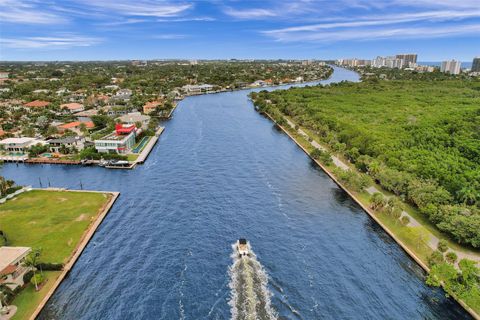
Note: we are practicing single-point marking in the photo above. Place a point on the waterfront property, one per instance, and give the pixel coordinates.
(150, 107)
(120, 141)
(19, 145)
(197, 89)
(72, 142)
(133, 118)
(12, 267)
(57, 221)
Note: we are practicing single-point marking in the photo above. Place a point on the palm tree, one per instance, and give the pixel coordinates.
(31, 263)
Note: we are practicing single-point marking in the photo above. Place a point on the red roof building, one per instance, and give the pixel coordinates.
(75, 125)
(122, 129)
(149, 107)
(37, 104)
(73, 107)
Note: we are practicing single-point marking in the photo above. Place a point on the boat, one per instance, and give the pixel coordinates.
(242, 248)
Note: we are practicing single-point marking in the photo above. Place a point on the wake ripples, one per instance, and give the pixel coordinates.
(250, 297)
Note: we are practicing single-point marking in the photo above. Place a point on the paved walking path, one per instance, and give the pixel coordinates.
(432, 239)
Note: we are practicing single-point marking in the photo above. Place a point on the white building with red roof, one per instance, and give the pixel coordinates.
(11, 265)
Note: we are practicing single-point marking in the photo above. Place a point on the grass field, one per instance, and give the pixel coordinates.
(53, 221)
(28, 299)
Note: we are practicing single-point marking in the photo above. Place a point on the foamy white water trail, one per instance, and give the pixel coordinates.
(250, 297)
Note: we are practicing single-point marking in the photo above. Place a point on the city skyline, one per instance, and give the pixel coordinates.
(301, 29)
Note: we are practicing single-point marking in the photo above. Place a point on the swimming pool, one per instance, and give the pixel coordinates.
(140, 145)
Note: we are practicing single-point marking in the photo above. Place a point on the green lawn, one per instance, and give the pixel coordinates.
(132, 157)
(51, 220)
(28, 299)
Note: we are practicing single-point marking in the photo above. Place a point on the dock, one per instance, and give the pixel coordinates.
(148, 148)
(51, 161)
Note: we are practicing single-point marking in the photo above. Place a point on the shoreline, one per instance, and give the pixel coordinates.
(84, 240)
(424, 266)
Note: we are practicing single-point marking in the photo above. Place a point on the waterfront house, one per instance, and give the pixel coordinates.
(121, 141)
(73, 107)
(197, 89)
(55, 145)
(19, 145)
(12, 267)
(134, 118)
(150, 107)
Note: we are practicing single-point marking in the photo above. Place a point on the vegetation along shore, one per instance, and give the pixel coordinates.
(408, 150)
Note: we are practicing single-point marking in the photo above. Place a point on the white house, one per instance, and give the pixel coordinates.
(55, 145)
(19, 144)
(11, 265)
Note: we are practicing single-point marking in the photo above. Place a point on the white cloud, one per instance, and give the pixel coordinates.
(396, 33)
(250, 13)
(170, 36)
(383, 20)
(437, 23)
(52, 42)
(26, 12)
(145, 8)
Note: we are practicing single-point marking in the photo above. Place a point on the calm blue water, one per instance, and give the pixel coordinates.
(219, 172)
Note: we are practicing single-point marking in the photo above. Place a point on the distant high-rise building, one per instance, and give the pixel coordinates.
(476, 64)
(410, 59)
(452, 66)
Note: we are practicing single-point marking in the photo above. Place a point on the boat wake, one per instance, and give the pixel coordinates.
(250, 297)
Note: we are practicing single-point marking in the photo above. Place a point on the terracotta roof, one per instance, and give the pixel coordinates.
(88, 124)
(37, 104)
(72, 106)
(8, 270)
(152, 105)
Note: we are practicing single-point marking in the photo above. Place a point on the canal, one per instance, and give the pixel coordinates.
(220, 172)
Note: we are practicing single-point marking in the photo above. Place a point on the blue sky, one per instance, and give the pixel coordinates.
(210, 29)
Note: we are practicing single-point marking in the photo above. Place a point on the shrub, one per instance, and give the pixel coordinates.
(377, 201)
(47, 266)
(435, 258)
(37, 279)
(442, 246)
(322, 156)
(451, 257)
(405, 220)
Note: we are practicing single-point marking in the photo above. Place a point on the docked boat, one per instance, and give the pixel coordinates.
(242, 248)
